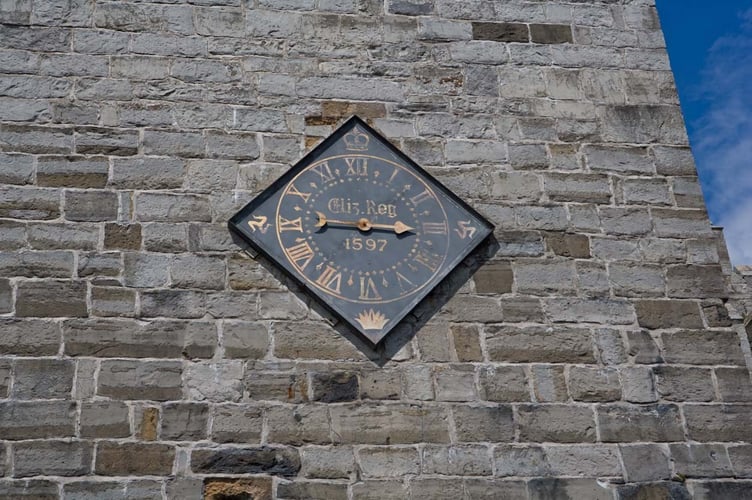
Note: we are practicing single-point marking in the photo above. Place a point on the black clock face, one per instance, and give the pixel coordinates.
(362, 228)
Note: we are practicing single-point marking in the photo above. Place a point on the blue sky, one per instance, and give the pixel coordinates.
(710, 47)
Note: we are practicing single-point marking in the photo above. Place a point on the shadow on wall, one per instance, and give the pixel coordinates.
(382, 353)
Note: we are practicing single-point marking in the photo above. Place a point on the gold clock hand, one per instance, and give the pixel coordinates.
(363, 224)
(323, 221)
(398, 227)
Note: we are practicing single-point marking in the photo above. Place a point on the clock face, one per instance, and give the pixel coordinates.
(362, 227)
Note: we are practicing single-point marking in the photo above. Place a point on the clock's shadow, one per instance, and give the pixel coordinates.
(405, 330)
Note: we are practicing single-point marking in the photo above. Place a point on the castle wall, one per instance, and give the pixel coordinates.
(585, 352)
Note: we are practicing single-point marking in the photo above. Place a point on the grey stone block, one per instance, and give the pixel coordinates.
(222, 381)
(29, 337)
(393, 424)
(700, 460)
(37, 419)
(47, 299)
(133, 459)
(184, 421)
(54, 264)
(105, 419)
(594, 384)
(716, 422)
(19, 203)
(733, 384)
(58, 458)
(147, 173)
(16, 169)
(544, 276)
(172, 208)
(336, 462)
(277, 461)
(43, 379)
(675, 383)
(483, 423)
(471, 460)
(504, 384)
(638, 384)
(600, 311)
(95, 206)
(125, 338)
(455, 383)
(184, 304)
(645, 462)
(312, 489)
(389, 461)
(668, 314)
(198, 271)
(538, 344)
(237, 424)
(237, 146)
(629, 423)
(702, 347)
(51, 236)
(129, 379)
(695, 282)
(584, 460)
(589, 188)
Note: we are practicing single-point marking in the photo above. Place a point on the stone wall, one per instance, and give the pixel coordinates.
(144, 355)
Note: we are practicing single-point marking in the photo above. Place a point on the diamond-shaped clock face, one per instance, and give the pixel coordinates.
(362, 228)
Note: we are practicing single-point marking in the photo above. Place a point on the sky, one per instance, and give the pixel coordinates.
(710, 48)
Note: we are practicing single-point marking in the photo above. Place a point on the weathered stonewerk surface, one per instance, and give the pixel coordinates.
(596, 353)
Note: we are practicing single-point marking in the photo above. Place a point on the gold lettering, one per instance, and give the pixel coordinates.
(368, 289)
(343, 206)
(394, 174)
(435, 227)
(294, 191)
(428, 259)
(290, 225)
(357, 166)
(259, 223)
(419, 198)
(373, 208)
(465, 229)
(330, 279)
(301, 254)
(324, 171)
(401, 279)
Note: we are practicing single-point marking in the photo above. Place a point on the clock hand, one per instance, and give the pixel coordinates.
(398, 227)
(323, 221)
(363, 224)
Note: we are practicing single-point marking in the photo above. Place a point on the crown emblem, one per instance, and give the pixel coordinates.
(371, 320)
(356, 140)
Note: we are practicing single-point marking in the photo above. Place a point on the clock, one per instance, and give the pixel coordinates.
(362, 228)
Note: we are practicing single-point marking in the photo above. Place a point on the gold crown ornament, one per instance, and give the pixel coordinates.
(356, 140)
(371, 320)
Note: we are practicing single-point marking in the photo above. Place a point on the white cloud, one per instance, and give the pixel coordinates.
(737, 222)
(723, 138)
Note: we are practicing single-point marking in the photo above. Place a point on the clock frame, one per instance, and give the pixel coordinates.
(362, 228)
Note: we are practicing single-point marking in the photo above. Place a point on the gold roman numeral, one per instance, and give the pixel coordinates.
(368, 289)
(324, 171)
(357, 166)
(330, 279)
(301, 254)
(290, 225)
(435, 227)
(428, 259)
(402, 280)
(419, 198)
(294, 191)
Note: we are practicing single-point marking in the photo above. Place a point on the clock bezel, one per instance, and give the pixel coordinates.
(237, 226)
